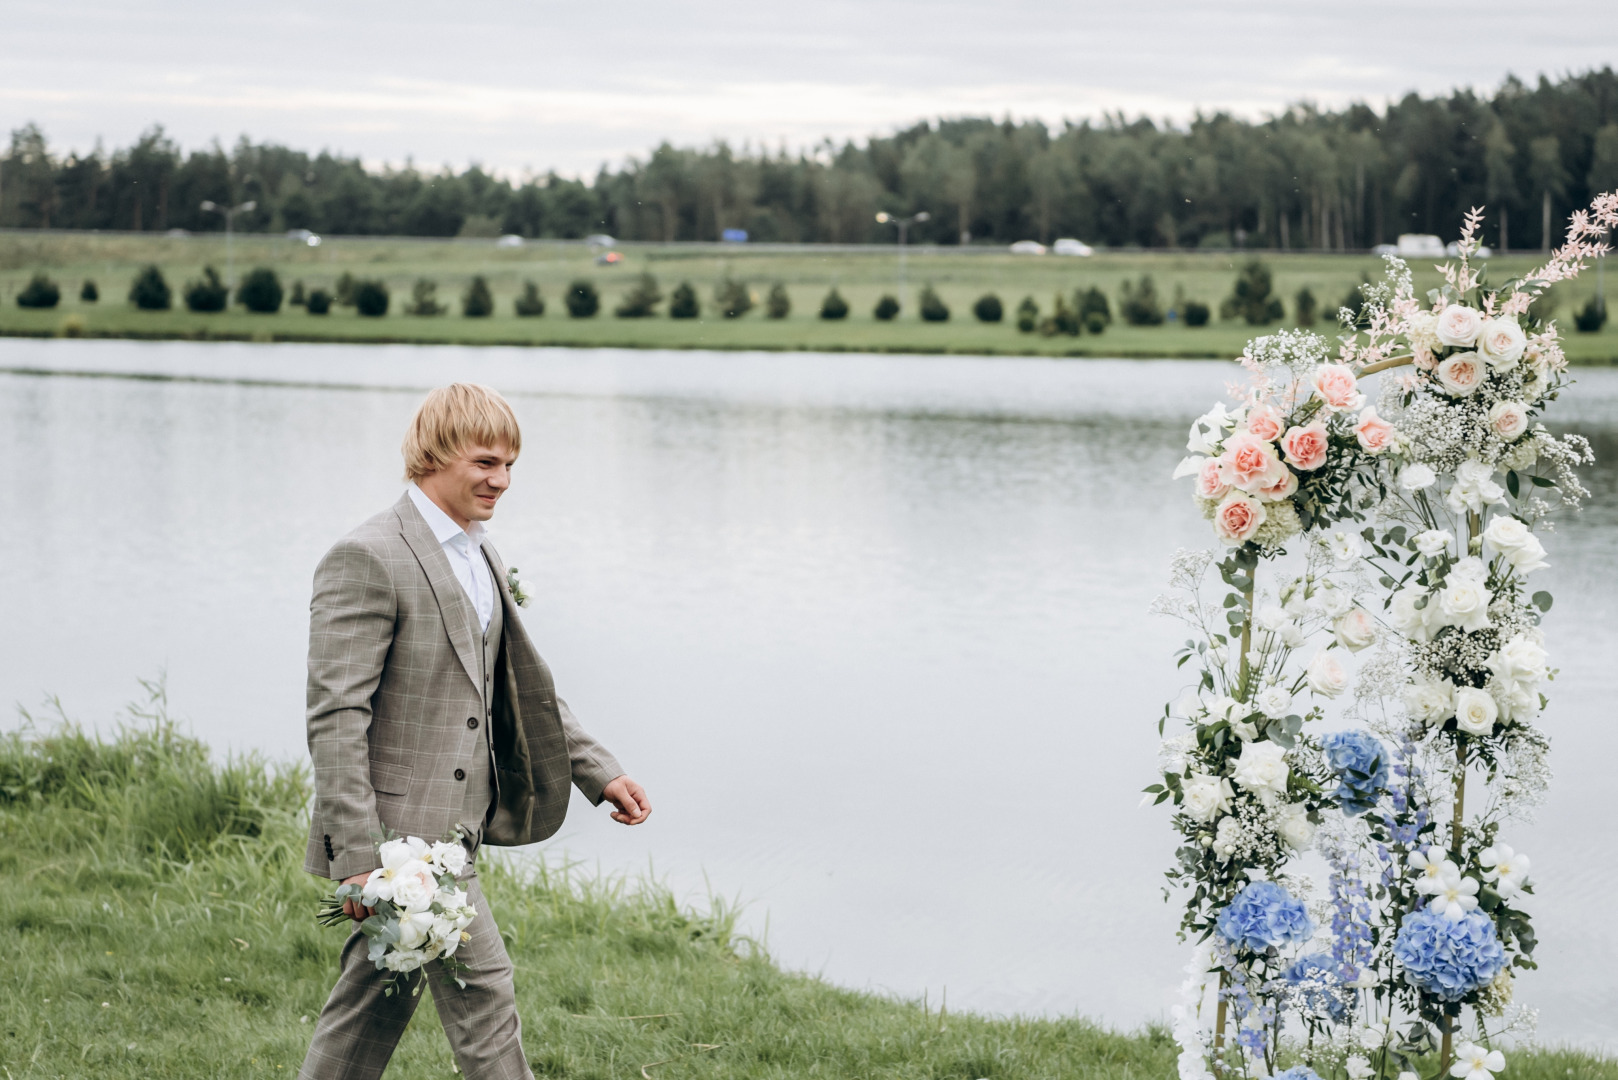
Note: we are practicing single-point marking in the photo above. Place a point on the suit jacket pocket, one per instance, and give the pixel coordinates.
(389, 778)
(514, 799)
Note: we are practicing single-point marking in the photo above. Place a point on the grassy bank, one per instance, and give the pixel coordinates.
(860, 276)
(155, 923)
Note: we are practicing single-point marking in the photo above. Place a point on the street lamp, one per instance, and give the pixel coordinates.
(903, 224)
(230, 213)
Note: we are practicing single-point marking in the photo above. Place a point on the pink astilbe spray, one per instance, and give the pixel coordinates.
(1585, 241)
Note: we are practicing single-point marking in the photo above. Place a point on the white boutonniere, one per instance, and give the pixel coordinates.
(518, 587)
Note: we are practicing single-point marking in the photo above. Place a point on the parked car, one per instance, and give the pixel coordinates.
(1070, 246)
(304, 236)
(600, 240)
(1385, 249)
(1420, 245)
(510, 240)
(1028, 247)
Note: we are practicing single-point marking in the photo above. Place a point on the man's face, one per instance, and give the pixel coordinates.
(467, 488)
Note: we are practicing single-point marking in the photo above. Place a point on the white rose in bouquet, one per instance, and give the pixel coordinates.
(1343, 545)
(449, 856)
(1508, 419)
(1461, 374)
(1355, 629)
(1502, 341)
(1334, 600)
(1262, 769)
(1464, 603)
(1475, 711)
(1295, 827)
(1206, 797)
(1508, 537)
(1430, 701)
(413, 887)
(1274, 701)
(1433, 541)
(1325, 675)
(1522, 659)
(1516, 700)
(1470, 569)
(1416, 476)
(1474, 488)
(1458, 325)
(1413, 622)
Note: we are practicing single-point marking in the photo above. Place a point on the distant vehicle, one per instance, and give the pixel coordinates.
(733, 236)
(1070, 246)
(1453, 250)
(178, 233)
(600, 240)
(304, 236)
(510, 240)
(1028, 247)
(1420, 245)
(1385, 249)
(609, 258)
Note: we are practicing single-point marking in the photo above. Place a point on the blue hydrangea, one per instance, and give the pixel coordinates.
(1264, 916)
(1315, 981)
(1298, 1072)
(1361, 765)
(1448, 958)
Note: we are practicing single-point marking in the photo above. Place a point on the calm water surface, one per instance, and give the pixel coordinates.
(873, 631)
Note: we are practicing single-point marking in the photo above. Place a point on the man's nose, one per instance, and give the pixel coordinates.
(500, 480)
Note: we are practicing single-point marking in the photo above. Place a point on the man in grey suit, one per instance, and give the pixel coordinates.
(430, 712)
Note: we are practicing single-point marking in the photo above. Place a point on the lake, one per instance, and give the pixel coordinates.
(873, 631)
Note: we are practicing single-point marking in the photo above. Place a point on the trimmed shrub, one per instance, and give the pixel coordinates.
(318, 302)
(886, 308)
(1591, 317)
(1251, 297)
(582, 300)
(478, 302)
(1062, 320)
(370, 297)
(777, 305)
(1092, 302)
(424, 299)
(1195, 313)
(834, 306)
(260, 291)
(932, 306)
(345, 289)
(209, 294)
(529, 303)
(1139, 305)
(149, 291)
(296, 297)
(88, 291)
(1028, 315)
(1543, 307)
(40, 292)
(683, 302)
(1094, 322)
(988, 308)
(733, 298)
(641, 301)
(1306, 307)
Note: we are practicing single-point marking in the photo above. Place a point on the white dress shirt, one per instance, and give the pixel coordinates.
(464, 547)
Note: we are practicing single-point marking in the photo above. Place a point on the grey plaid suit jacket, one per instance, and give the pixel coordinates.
(393, 680)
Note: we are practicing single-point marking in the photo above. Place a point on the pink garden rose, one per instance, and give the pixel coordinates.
(1306, 446)
(1210, 485)
(1282, 486)
(1461, 374)
(1509, 419)
(1459, 325)
(1265, 422)
(1337, 387)
(1374, 433)
(1247, 461)
(1238, 518)
(1502, 341)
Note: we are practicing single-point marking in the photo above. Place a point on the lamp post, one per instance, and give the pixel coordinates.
(903, 224)
(230, 213)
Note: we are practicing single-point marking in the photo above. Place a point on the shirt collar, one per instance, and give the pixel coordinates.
(442, 525)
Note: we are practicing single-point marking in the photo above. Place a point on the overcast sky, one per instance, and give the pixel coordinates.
(537, 85)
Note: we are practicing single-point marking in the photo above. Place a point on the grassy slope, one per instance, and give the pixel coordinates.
(155, 923)
(861, 276)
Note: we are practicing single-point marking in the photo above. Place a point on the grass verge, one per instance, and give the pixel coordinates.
(158, 925)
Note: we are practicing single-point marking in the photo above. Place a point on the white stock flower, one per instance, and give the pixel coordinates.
(1430, 701)
(1505, 868)
(1206, 797)
(1473, 1062)
(1475, 711)
(1295, 828)
(1334, 600)
(1325, 675)
(1502, 341)
(1271, 617)
(1413, 622)
(1456, 895)
(1458, 325)
(1416, 476)
(1433, 541)
(1344, 546)
(1274, 701)
(1262, 769)
(1464, 603)
(1355, 629)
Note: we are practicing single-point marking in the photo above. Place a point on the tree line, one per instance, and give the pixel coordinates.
(1309, 179)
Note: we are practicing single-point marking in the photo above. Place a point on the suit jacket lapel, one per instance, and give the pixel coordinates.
(453, 604)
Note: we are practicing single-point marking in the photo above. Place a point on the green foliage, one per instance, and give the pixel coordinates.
(683, 303)
(529, 304)
(1543, 308)
(1063, 319)
(40, 292)
(296, 298)
(1355, 303)
(260, 291)
(1305, 308)
(1592, 316)
(834, 306)
(371, 298)
(208, 294)
(318, 302)
(1028, 315)
(732, 297)
(345, 289)
(777, 305)
(149, 291)
(477, 302)
(582, 300)
(1195, 313)
(88, 291)
(932, 308)
(1138, 304)
(886, 308)
(641, 300)
(424, 299)
(988, 309)
(1252, 298)
(1091, 304)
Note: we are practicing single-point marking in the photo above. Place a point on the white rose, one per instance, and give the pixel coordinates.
(413, 886)
(1505, 534)
(1515, 699)
(1431, 702)
(1460, 375)
(1475, 711)
(1433, 541)
(1344, 546)
(1471, 569)
(1464, 604)
(1413, 622)
(1358, 1068)
(1458, 325)
(1262, 768)
(414, 929)
(1354, 629)
(1508, 419)
(1334, 600)
(1274, 701)
(1521, 660)
(1272, 617)
(1206, 797)
(1295, 827)
(1529, 557)
(450, 858)
(1416, 476)
(1502, 341)
(1325, 675)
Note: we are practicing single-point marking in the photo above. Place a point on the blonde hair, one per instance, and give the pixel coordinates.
(452, 418)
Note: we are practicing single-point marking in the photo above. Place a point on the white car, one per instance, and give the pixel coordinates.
(1419, 246)
(600, 240)
(510, 240)
(1028, 247)
(1385, 249)
(1070, 246)
(304, 236)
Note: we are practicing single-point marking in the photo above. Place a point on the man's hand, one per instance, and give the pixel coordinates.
(352, 908)
(630, 799)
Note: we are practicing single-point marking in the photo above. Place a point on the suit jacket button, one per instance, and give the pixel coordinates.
(460, 774)
(471, 721)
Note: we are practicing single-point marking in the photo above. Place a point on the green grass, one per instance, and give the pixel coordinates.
(861, 276)
(155, 923)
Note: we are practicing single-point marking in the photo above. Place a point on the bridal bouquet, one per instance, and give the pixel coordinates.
(421, 913)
